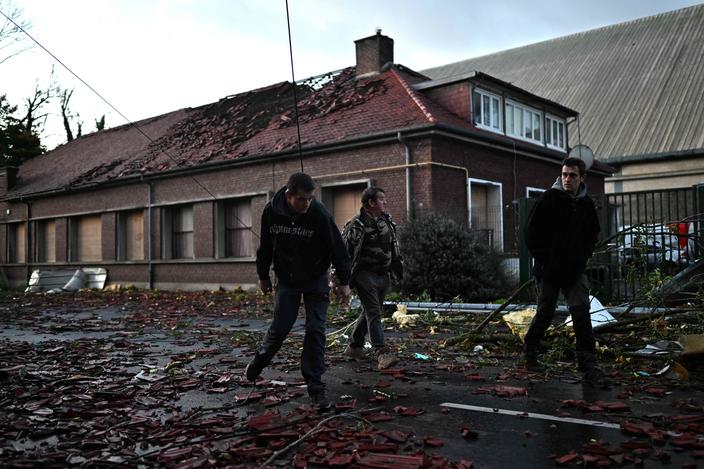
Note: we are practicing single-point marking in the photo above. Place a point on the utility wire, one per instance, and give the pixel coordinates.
(293, 81)
(132, 124)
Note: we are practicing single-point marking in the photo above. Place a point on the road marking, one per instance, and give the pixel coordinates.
(492, 410)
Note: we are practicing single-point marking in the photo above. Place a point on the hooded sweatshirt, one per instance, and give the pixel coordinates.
(562, 231)
(302, 246)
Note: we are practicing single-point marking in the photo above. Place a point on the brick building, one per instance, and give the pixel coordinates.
(174, 201)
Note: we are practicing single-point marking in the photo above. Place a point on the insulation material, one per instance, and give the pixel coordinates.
(519, 321)
(599, 314)
(63, 280)
(402, 317)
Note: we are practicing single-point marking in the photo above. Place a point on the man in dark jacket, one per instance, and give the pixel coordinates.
(563, 229)
(301, 238)
(370, 238)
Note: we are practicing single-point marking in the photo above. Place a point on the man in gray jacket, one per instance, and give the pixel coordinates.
(370, 238)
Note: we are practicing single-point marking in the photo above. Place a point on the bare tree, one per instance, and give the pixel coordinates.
(68, 117)
(100, 123)
(12, 40)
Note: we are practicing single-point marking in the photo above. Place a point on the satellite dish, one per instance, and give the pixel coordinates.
(584, 153)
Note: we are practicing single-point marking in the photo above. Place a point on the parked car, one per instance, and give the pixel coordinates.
(664, 246)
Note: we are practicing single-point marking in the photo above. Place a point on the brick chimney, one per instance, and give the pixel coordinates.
(8, 179)
(373, 53)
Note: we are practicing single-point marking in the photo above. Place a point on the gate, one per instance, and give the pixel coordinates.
(645, 236)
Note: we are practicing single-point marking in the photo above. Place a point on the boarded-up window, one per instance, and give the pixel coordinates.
(182, 232)
(17, 242)
(343, 202)
(131, 241)
(238, 228)
(46, 241)
(88, 239)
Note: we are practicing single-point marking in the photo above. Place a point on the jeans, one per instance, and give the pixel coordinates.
(577, 296)
(286, 304)
(371, 288)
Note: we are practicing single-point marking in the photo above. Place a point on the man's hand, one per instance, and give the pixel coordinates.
(265, 285)
(342, 292)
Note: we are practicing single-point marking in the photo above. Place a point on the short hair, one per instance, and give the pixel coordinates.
(371, 193)
(571, 161)
(300, 182)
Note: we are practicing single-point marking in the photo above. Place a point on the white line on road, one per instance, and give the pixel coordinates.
(492, 410)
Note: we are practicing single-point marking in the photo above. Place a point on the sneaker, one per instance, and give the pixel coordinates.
(320, 402)
(355, 353)
(532, 363)
(534, 366)
(254, 369)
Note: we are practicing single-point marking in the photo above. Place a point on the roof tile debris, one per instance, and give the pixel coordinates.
(331, 108)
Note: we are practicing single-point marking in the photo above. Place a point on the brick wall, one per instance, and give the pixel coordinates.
(434, 189)
(454, 98)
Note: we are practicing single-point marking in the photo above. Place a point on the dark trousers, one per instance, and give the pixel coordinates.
(286, 304)
(371, 288)
(577, 296)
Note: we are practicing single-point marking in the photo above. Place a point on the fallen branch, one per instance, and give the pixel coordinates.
(614, 326)
(474, 337)
(486, 320)
(475, 333)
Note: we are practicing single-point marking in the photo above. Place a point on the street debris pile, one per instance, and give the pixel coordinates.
(154, 379)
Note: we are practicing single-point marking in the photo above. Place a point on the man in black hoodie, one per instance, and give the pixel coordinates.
(563, 229)
(301, 238)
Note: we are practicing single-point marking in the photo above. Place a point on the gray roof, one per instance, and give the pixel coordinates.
(638, 86)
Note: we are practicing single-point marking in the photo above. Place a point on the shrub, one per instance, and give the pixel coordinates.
(445, 260)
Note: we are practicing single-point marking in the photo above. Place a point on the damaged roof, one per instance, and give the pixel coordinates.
(332, 109)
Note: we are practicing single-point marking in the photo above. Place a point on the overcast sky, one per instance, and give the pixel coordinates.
(148, 57)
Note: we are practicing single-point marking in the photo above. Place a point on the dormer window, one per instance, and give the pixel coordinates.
(555, 132)
(486, 108)
(523, 122)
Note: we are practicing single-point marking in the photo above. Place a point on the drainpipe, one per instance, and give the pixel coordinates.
(150, 273)
(401, 140)
(27, 240)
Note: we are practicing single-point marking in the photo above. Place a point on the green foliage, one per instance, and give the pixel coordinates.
(444, 260)
(17, 144)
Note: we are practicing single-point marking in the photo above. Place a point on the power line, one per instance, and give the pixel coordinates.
(132, 124)
(293, 81)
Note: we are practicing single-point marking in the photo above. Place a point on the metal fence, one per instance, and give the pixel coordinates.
(646, 236)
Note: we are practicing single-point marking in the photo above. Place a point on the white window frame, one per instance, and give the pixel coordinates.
(548, 121)
(498, 187)
(533, 189)
(482, 93)
(525, 111)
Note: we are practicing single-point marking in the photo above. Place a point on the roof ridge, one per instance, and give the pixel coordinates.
(415, 96)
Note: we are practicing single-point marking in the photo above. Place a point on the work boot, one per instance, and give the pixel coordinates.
(320, 402)
(254, 368)
(595, 377)
(355, 353)
(532, 363)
